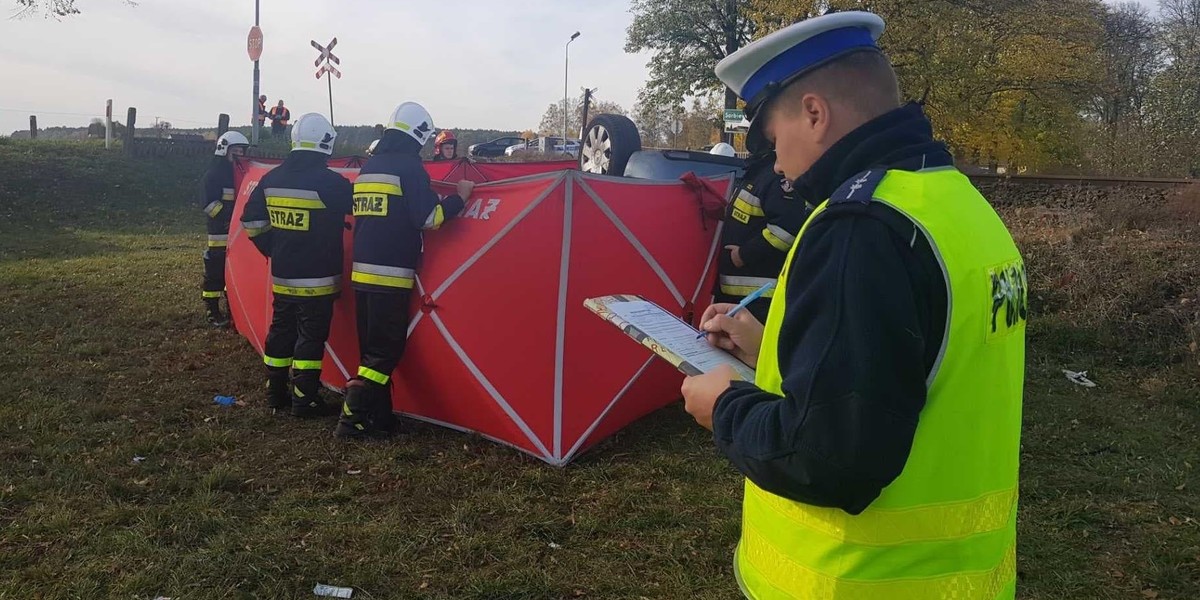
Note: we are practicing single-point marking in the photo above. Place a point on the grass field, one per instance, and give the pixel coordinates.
(106, 358)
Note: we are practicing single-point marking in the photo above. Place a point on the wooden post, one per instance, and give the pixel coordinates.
(32, 127)
(130, 122)
(222, 124)
(108, 125)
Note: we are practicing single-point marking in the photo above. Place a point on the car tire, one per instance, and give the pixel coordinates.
(607, 144)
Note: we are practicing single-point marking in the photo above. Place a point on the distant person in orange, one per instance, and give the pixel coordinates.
(262, 111)
(280, 116)
(445, 146)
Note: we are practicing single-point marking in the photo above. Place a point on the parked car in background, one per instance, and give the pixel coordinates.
(613, 146)
(493, 148)
(546, 145)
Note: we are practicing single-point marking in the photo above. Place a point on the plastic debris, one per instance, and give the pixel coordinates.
(137, 460)
(1079, 378)
(224, 400)
(331, 591)
(554, 546)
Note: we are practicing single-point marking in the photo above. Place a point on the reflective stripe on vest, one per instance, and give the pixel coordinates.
(946, 527)
(218, 241)
(227, 194)
(308, 288)
(733, 285)
(383, 275)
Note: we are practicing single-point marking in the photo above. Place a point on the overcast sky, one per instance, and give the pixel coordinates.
(474, 63)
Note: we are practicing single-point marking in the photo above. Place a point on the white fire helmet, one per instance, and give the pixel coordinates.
(312, 132)
(413, 119)
(231, 138)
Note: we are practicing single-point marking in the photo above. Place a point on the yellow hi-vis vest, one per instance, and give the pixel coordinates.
(946, 527)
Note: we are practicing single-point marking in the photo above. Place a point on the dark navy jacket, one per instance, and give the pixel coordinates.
(393, 205)
(862, 284)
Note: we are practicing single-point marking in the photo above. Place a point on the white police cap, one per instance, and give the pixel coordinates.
(758, 72)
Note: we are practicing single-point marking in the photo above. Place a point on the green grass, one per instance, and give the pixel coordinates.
(106, 358)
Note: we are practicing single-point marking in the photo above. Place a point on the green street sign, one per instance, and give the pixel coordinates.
(734, 115)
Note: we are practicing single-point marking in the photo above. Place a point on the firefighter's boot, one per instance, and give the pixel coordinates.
(279, 394)
(215, 317)
(359, 419)
(306, 397)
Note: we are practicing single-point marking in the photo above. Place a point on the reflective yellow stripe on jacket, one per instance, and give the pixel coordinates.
(734, 285)
(307, 288)
(383, 275)
(946, 527)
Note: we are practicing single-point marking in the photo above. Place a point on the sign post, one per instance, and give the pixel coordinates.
(254, 47)
(325, 66)
(735, 121)
(676, 129)
(108, 130)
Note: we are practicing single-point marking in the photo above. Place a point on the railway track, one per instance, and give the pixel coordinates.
(1085, 180)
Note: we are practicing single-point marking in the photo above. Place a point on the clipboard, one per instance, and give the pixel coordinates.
(665, 334)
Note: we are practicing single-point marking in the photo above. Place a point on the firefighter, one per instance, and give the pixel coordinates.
(760, 225)
(445, 147)
(280, 116)
(296, 217)
(217, 199)
(393, 205)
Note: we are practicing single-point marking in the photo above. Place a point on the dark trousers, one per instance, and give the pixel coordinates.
(382, 332)
(278, 128)
(299, 329)
(214, 272)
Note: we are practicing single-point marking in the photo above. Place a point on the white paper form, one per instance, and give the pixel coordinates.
(677, 336)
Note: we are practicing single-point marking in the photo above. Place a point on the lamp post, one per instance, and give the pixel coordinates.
(566, 74)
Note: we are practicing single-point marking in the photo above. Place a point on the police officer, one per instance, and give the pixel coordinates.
(217, 199)
(296, 217)
(393, 205)
(880, 437)
(760, 225)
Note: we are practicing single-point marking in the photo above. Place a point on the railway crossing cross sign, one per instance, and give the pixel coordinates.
(325, 67)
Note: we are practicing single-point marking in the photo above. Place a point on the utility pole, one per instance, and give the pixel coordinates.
(566, 76)
(587, 106)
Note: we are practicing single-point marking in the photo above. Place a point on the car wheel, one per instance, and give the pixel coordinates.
(607, 145)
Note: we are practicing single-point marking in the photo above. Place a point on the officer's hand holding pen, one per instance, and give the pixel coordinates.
(740, 335)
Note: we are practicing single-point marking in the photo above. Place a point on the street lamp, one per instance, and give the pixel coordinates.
(566, 74)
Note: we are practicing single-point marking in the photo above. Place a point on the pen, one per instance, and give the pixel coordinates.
(755, 295)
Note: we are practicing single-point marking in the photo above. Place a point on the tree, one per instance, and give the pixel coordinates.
(1131, 55)
(51, 8)
(654, 123)
(552, 120)
(687, 39)
(1175, 95)
(1005, 80)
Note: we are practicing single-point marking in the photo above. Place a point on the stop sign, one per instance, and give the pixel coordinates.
(254, 43)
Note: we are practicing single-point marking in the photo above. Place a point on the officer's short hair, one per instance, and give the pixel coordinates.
(863, 81)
